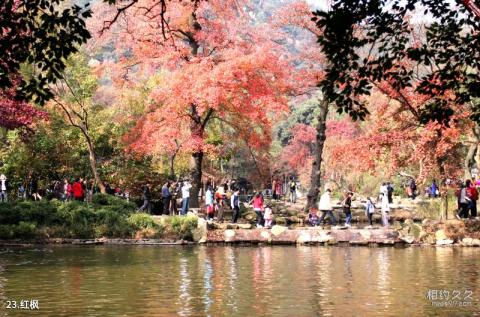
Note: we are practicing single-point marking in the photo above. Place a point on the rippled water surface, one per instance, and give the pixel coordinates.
(239, 281)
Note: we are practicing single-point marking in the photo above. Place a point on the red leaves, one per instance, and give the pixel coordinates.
(15, 113)
(226, 71)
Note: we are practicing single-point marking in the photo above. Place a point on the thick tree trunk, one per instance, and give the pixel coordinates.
(197, 129)
(196, 175)
(93, 162)
(315, 178)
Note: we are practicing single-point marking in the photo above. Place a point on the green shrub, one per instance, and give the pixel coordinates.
(8, 214)
(106, 216)
(140, 221)
(184, 226)
(114, 203)
(6, 231)
(26, 230)
(110, 223)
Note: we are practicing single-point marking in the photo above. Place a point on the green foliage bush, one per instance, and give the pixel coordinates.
(119, 205)
(105, 216)
(184, 226)
(140, 221)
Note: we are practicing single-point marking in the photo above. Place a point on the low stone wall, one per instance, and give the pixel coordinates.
(429, 232)
(283, 235)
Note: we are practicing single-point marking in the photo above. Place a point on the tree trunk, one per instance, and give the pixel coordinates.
(172, 166)
(476, 138)
(315, 178)
(196, 175)
(197, 129)
(469, 160)
(93, 162)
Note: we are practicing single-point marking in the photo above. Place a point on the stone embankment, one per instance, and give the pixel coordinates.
(429, 232)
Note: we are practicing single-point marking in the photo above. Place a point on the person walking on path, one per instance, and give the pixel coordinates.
(463, 202)
(385, 210)
(235, 204)
(472, 193)
(293, 190)
(219, 203)
(146, 199)
(166, 198)
(390, 192)
(209, 202)
(185, 196)
(325, 206)
(369, 210)
(347, 205)
(258, 208)
(3, 189)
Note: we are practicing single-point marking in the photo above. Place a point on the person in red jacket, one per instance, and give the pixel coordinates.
(472, 193)
(78, 193)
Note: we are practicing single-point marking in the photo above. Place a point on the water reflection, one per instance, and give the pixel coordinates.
(183, 291)
(237, 281)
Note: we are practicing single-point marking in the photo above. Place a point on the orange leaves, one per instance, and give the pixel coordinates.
(216, 65)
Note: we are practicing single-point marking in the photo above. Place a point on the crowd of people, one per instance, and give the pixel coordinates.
(227, 195)
(316, 217)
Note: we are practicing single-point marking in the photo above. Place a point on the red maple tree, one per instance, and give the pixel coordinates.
(217, 64)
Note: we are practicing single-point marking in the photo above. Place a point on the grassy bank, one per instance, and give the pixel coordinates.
(106, 216)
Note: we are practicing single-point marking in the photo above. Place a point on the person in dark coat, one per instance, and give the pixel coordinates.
(146, 195)
(166, 196)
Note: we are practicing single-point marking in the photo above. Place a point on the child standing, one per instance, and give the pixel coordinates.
(268, 216)
(313, 217)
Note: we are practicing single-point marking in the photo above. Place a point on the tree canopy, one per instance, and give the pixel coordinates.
(368, 41)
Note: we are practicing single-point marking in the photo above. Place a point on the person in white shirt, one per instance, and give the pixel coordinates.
(3, 188)
(385, 209)
(235, 204)
(185, 196)
(325, 207)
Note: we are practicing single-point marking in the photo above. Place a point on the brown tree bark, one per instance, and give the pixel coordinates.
(316, 174)
(197, 129)
(93, 162)
(196, 175)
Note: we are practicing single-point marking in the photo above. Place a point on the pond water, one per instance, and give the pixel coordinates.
(240, 281)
